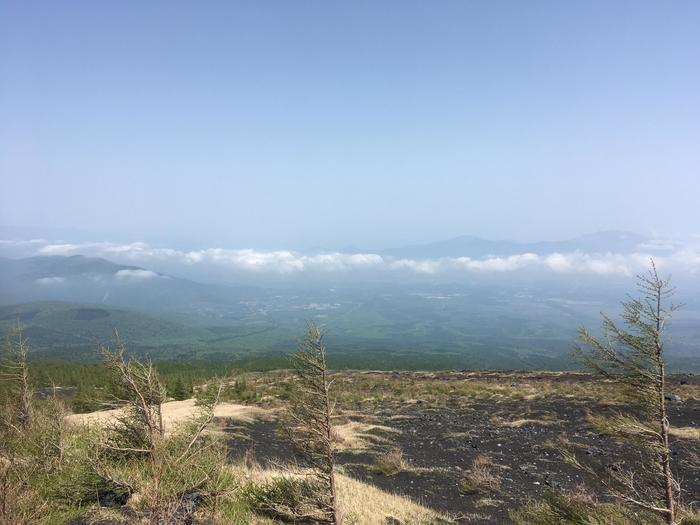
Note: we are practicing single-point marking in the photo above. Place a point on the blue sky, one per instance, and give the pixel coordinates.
(291, 124)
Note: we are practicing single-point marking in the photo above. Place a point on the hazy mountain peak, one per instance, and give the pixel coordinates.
(65, 266)
(611, 241)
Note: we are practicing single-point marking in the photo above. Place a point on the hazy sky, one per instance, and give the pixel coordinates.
(283, 124)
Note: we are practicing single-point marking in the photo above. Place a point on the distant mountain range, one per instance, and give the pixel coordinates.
(39, 267)
(515, 319)
(475, 247)
(99, 281)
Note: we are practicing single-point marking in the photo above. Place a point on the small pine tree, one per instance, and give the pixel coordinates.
(174, 470)
(310, 413)
(633, 357)
(32, 439)
(14, 376)
(179, 391)
(140, 391)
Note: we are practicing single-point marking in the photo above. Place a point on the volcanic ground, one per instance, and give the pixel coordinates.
(445, 424)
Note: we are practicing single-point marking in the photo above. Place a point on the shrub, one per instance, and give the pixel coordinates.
(285, 498)
(390, 463)
(558, 508)
(481, 477)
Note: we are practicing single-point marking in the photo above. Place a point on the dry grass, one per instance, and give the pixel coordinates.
(685, 432)
(364, 504)
(360, 436)
(360, 503)
(105, 515)
(390, 463)
(482, 477)
(516, 423)
(487, 502)
(367, 389)
(581, 495)
(466, 436)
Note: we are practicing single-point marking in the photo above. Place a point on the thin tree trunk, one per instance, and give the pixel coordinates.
(665, 456)
(664, 424)
(25, 392)
(161, 427)
(329, 437)
(25, 398)
(312, 412)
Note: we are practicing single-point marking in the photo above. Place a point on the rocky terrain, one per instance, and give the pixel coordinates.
(473, 445)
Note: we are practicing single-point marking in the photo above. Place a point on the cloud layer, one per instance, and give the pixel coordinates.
(136, 275)
(289, 262)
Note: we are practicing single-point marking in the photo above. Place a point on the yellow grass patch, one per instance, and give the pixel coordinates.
(685, 432)
(401, 417)
(516, 423)
(458, 435)
(363, 504)
(357, 436)
(482, 476)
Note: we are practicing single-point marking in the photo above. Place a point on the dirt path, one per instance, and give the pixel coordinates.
(175, 412)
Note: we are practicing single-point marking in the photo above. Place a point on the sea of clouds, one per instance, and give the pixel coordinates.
(673, 255)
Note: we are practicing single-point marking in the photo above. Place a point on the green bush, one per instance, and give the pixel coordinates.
(76, 481)
(284, 498)
(558, 509)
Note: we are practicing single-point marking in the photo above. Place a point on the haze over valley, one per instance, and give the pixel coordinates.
(461, 303)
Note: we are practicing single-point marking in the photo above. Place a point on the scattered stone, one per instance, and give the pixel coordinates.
(528, 467)
(114, 496)
(443, 442)
(554, 484)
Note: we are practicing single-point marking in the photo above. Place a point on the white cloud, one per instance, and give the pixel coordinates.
(606, 264)
(685, 257)
(58, 249)
(425, 266)
(279, 261)
(497, 264)
(135, 275)
(342, 261)
(48, 281)
(134, 247)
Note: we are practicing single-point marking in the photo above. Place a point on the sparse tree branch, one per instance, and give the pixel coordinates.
(311, 430)
(633, 356)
